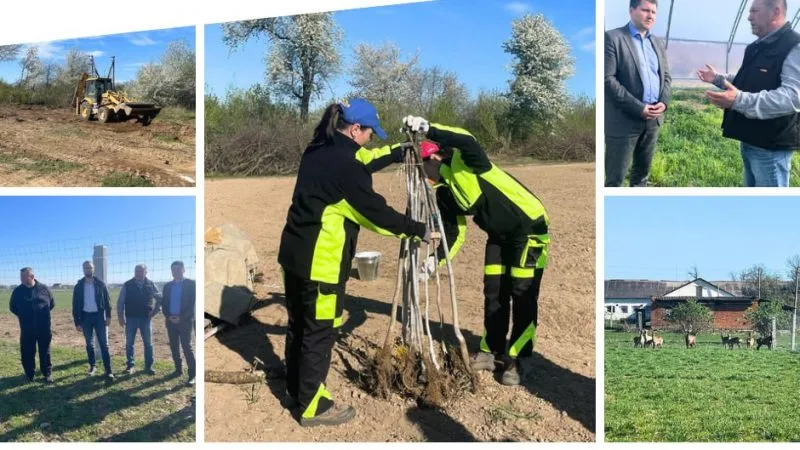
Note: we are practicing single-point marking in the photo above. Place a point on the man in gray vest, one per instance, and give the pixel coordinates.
(139, 300)
(762, 100)
(91, 312)
(637, 92)
(178, 305)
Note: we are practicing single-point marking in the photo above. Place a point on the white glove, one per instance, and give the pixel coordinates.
(416, 124)
(428, 268)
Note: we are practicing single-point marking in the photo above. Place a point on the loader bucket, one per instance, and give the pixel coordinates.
(145, 112)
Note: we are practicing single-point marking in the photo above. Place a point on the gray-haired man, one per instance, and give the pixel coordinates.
(139, 300)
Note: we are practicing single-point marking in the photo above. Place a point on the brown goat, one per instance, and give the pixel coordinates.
(691, 340)
(751, 341)
(658, 341)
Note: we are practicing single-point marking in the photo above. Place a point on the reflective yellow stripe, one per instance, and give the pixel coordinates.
(337, 322)
(521, 272)
(455, 130)
(484, 345)
(366, 155)
(325, 306)
(516, 192)
(311, 411)
(462, 181)
(456, 246)
(494, 269)
(528, 335)
(327, 260)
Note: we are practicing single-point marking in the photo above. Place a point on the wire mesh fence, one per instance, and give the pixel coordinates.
(58, 264)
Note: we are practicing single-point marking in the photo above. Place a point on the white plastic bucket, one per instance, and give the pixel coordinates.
(367, 264)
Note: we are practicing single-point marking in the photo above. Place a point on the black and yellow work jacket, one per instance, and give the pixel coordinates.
(332, 198)
(500, 205)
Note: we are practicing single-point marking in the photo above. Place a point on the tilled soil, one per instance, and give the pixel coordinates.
(41, 146)
(556, 403)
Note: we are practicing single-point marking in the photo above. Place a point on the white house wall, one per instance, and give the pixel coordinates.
(617, 306)
(690, 290)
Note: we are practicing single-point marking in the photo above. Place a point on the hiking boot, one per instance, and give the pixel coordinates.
(335, 415)
(482, 361)
(48, 379)
(92, 370)
(512, 376)
(128, 370)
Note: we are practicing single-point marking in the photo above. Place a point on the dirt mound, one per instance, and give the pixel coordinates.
(41, 146)
(556, 403)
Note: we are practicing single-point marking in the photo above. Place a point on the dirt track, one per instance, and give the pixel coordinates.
(54, 147)
(556, 404)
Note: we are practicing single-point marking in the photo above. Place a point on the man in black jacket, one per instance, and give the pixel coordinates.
(91, 312)
(139, 300)
(32, 302)
(178, 305)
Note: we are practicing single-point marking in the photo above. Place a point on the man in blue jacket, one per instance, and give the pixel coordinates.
(91, 311)
(178, 305)
(32, 302)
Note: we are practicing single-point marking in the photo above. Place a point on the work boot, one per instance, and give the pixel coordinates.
(290, 402)
(482, 361)
(335, 415)
(512, 376)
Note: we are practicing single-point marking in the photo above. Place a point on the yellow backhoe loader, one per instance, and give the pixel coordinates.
(96, 97)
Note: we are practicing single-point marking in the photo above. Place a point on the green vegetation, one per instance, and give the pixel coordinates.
(691, 150)
(63, 298)
(80, 408)
(706, 394)
(125, 179)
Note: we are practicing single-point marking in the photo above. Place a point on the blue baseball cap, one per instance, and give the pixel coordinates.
(360, 111)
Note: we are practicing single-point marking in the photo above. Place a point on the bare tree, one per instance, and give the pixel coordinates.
(303, 53)
(693, 273)
(10, 52)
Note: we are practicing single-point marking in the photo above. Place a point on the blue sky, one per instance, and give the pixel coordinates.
(458, 35)
(54, 235)
(132, 50)
(661, 238)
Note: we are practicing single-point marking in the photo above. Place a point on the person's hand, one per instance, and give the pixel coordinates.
(416, 124)
(78, 328)
(647, 112)
(428, 268)
(430, 234)
(708, 74)
(723, 99)
(659, 108)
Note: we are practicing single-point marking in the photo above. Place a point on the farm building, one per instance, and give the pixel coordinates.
(624, 297)
(728, 308)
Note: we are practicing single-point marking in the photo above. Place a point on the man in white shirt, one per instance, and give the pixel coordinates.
(91, 311)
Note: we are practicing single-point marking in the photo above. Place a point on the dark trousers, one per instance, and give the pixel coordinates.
(512, 277)
(639, 145)
(180, 337)
(92, 323)
(315, 315)
(30, 338)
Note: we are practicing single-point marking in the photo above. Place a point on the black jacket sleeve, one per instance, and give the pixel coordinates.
(12, 303)
(190, 293)
(76, 309)
(107, 301)
(369, 209)
(472, 153)
(453, 221)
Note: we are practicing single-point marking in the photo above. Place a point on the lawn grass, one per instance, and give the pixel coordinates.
(706, 394)
(691, 150)
(134, 408)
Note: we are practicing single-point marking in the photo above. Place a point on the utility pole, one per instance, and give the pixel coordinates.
(794, 313)
(759, 283)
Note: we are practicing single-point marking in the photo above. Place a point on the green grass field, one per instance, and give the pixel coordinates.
(691, 150)
(63, 299)
(138, 408)
(706, 394)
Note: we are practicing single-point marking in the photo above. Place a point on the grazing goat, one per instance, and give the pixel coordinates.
(751, 341)
(657, 341)
(766, 340)
(734, 341)
(691, 340)
(648, 339)
(725, 340)
(638, 341)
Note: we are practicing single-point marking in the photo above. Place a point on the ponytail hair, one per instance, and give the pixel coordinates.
(330, 123)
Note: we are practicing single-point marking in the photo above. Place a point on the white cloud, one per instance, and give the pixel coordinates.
(96, 53)
(589, 47)
(141, 40)
(518, 7)
(584, 33)
(48, 50)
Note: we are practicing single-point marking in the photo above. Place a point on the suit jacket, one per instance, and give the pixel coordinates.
(188, 294)
(623, 84)
(101, 297)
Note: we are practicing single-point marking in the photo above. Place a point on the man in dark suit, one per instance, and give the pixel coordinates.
(637, 88)
(178, 305)
(32, 302)
(91, 312)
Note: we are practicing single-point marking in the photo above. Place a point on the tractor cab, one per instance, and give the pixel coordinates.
(96, 87)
